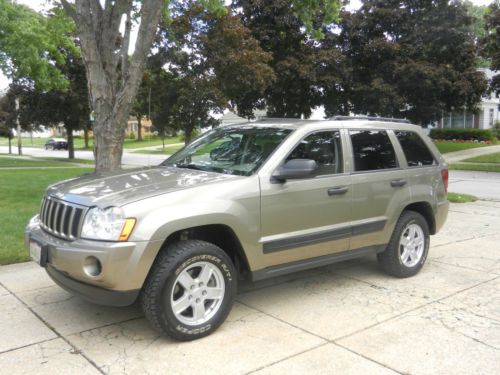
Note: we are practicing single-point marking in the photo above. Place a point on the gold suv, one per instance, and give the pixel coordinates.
(246, 201)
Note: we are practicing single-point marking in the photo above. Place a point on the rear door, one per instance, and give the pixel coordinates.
(380, 187)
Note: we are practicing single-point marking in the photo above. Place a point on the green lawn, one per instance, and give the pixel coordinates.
(461, 198)
(490, 158)
(169, 150)
(21, 192)
(16, 161)
(445, 146)
(474, 167)
(79, 142)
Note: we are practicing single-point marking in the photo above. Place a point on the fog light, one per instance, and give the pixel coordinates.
(92, 266)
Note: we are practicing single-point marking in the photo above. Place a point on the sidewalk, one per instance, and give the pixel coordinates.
(453, 157)
(344, 319)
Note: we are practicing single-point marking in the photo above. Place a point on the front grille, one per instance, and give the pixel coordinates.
(60, 218)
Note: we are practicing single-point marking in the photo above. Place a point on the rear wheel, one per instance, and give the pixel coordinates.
(190, 290)
(407, 250)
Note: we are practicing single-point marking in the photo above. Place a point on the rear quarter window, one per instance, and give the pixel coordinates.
(416, 151)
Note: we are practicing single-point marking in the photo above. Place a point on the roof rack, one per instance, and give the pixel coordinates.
(371, 118)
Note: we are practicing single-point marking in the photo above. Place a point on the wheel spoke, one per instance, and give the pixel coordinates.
(412, 233)
(205, 274)
(405, 255)
(198, 311)
(405, 241)
(185, 280)
(181, 304)
(214, 293)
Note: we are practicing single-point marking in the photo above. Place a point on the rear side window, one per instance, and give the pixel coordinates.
(372, 150)
(416, 151)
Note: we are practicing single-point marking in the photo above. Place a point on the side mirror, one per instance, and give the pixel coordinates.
(294, 169)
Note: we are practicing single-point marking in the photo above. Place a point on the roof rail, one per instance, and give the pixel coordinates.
(371, 118)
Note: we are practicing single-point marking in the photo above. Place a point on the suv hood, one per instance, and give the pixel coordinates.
(126, 186)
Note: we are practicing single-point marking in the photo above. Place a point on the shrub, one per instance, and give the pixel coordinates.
(131, 136)
(496, 130)
(459, 134)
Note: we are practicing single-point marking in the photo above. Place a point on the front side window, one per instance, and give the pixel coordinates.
(324, 148)
(237, 150)
(416, 152)
(372, 150)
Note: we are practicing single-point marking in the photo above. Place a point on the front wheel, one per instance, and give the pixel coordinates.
(190, 290)
(408, 248)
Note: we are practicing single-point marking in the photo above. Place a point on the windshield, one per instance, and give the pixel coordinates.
(237, 150)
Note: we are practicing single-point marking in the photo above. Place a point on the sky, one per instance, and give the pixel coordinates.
(40, 5)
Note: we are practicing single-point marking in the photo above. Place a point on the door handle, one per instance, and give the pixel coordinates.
(338, 190)
(396, 183)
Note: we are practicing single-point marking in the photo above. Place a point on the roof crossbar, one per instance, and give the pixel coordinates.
(370, 118)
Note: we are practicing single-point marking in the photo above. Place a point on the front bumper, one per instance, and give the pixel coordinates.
(124, 265)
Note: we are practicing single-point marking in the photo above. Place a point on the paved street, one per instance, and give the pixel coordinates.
(129, 158)
(348, 318)
(485, 185)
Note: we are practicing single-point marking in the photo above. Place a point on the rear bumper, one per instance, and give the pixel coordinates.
(92, 293)
(441, 214)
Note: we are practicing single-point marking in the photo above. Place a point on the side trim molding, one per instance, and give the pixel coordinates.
(324, 236)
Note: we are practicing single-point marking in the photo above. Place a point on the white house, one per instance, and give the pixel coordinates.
(486, 116)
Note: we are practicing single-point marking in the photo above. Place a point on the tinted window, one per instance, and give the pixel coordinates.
(415, 150)
(372, 150)
(322, 147)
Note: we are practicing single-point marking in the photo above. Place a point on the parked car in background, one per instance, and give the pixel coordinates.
(56, 144)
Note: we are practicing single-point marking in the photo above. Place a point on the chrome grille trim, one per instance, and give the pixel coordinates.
(54, 213)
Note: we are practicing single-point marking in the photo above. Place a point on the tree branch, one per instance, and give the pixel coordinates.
(70, 11)
(125, 45)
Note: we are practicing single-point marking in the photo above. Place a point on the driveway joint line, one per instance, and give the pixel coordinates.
(76, 350)
(415, 309)
(287, 358)
(327, 341)
(367, 358)
(28, 345)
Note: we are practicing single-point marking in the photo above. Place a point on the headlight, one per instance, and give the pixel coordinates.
(107, 224)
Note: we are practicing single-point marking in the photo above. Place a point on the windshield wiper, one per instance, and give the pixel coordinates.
(188, 166)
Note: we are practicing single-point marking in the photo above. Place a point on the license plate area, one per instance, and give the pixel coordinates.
(38, 252)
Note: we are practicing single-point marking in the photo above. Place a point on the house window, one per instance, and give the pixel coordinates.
(492, 111)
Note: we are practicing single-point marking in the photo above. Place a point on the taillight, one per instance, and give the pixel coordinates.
(445, 176)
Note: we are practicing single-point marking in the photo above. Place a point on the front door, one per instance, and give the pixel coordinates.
(308, 217)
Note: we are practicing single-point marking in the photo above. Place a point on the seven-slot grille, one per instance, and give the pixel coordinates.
(60, 218)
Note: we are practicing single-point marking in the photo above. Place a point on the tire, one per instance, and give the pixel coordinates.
(402, 257)
(177, 277)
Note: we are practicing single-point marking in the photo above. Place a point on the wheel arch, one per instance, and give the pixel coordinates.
(424, 209)
(220, 235)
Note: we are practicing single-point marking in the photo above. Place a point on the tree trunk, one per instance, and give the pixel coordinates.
(188, 134)
(71, 146)
(109, 133)
(10, 145)
(139, 128)
(113, 78)
(18, 129)
(86, 137)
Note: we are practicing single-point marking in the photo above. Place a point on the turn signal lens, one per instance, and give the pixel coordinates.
(127, 229)
(445, 176)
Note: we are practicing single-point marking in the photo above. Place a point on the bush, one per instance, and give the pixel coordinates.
(496, 130)
(131, 136)
(454, 134)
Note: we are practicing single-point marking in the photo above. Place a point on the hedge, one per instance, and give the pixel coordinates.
(462, 134)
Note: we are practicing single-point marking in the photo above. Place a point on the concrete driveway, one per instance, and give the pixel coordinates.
(345, 319)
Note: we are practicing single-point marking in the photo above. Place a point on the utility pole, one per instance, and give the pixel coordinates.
(18, 129)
